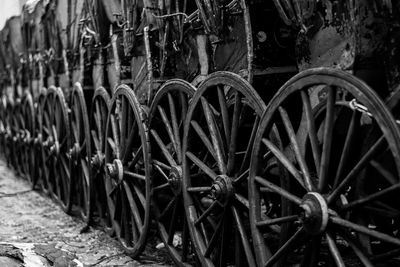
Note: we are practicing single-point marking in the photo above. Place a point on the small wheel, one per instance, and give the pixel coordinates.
(218, 135)
(38, 143)
(3, 125)
(56, 143)
(79, 152)
(16, 129)
(9, 133)
(98, 122)
(167, 114)
(128, 170)
(28, 154)
(324, 173)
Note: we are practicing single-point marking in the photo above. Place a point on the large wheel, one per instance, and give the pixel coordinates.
(219, 130)
(27, 137)
(80, 151)
(324, 173)
(38, 143)
(56, 144)
(167, 114)
(98, 122)
(128, 168)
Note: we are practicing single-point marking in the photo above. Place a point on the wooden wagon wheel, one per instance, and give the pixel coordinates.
(98, 121)
(27, 138)
(167, 114)
(56, 143)
(16, 129)
(38, 143)
(322, 193)
(79, 152)
(3, 125)
(128, 170)
(219, 130)
(9, 133)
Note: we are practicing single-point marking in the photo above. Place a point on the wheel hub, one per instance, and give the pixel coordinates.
(75, 151)
(222, 189)
(115, 170)
(175, 179)
(55, 149)
(315, 213)
(98, 160)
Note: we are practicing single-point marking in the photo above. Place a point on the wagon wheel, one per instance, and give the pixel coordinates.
(3, 125)
(27, 134)
(16, 126)
(9, 133)
(79, 152)
(38, 143)
(56, 143)
(219, 129)
(127, 179)
(98, 122)
(167, 114)
(322, 193)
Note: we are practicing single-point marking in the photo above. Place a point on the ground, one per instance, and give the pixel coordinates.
(34, 231)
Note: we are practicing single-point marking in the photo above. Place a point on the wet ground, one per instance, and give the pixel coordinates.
(34, 231)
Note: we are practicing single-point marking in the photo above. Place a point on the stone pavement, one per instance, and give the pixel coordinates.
(35, 232)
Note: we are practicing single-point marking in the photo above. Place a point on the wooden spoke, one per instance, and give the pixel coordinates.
(214, 238)
(134, 175)
(138, 155)
(215, 135)
(311, 129)
(207, 212)
(326, 150)
(367, 199)
(357, 168)
(163, 148)
(346, 148)
(204, 138)
(285, 162)
(276, 189)
(243, 237)
(364, 230)
(224, 113)
(294, 241)
(356, 248)
(175, 126)
(168, 127)
(292, 136)
(234, 132)
(333, 249)
(201, 165)
(133, 206)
